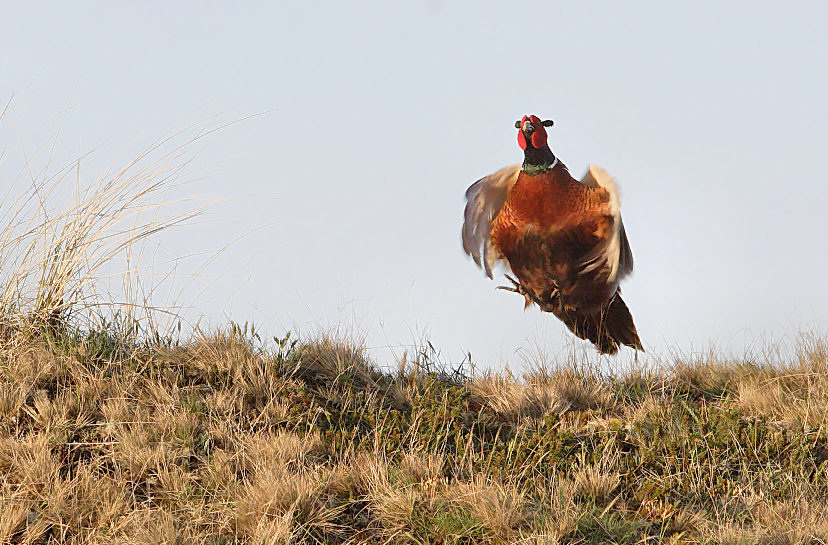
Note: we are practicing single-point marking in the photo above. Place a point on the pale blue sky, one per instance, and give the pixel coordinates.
(711, 115)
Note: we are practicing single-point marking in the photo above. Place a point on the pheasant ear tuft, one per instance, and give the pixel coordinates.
(517, 124)
(548, 123)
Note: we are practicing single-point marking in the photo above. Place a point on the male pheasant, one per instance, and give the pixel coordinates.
(562, 238)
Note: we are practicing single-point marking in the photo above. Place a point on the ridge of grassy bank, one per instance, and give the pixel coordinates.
(222, 440)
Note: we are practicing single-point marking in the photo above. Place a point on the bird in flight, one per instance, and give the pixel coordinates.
(561, 238)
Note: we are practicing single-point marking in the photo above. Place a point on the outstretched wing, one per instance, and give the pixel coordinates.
(484, 199)
(615, 255)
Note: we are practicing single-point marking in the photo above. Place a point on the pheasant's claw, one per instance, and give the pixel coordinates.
(516, 287)
(547, 304)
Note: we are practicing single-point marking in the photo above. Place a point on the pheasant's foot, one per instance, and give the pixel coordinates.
(552, 294)
(551, 301)
(515, 287)
(529, 295)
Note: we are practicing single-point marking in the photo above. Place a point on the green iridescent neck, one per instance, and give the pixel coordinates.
(534, 170)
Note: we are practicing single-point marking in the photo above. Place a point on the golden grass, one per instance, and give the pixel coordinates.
(224, 440)
(68, 246)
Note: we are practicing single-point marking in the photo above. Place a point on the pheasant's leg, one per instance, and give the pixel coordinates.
(529, 295)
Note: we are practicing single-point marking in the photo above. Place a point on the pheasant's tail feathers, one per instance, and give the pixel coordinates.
(615, 327)
(484, 199)
(618, 323)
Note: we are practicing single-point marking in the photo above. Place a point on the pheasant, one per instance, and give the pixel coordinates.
(563, 239)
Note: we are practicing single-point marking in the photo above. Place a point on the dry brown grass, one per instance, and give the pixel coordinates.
(223, 440)
(71, 246)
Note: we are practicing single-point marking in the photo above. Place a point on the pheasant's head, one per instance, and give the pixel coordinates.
(532, 133)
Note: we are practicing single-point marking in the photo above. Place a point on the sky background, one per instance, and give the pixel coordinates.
(712, 116)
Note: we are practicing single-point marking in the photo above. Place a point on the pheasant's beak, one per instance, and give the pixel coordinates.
(528, 128)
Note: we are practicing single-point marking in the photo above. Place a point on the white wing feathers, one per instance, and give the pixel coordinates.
(615, 255)
(484, 199)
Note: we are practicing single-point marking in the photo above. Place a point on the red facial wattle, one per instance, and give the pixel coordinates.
(539, 134)
(538, 137)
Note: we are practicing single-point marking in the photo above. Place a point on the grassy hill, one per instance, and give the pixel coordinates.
(223, 440)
